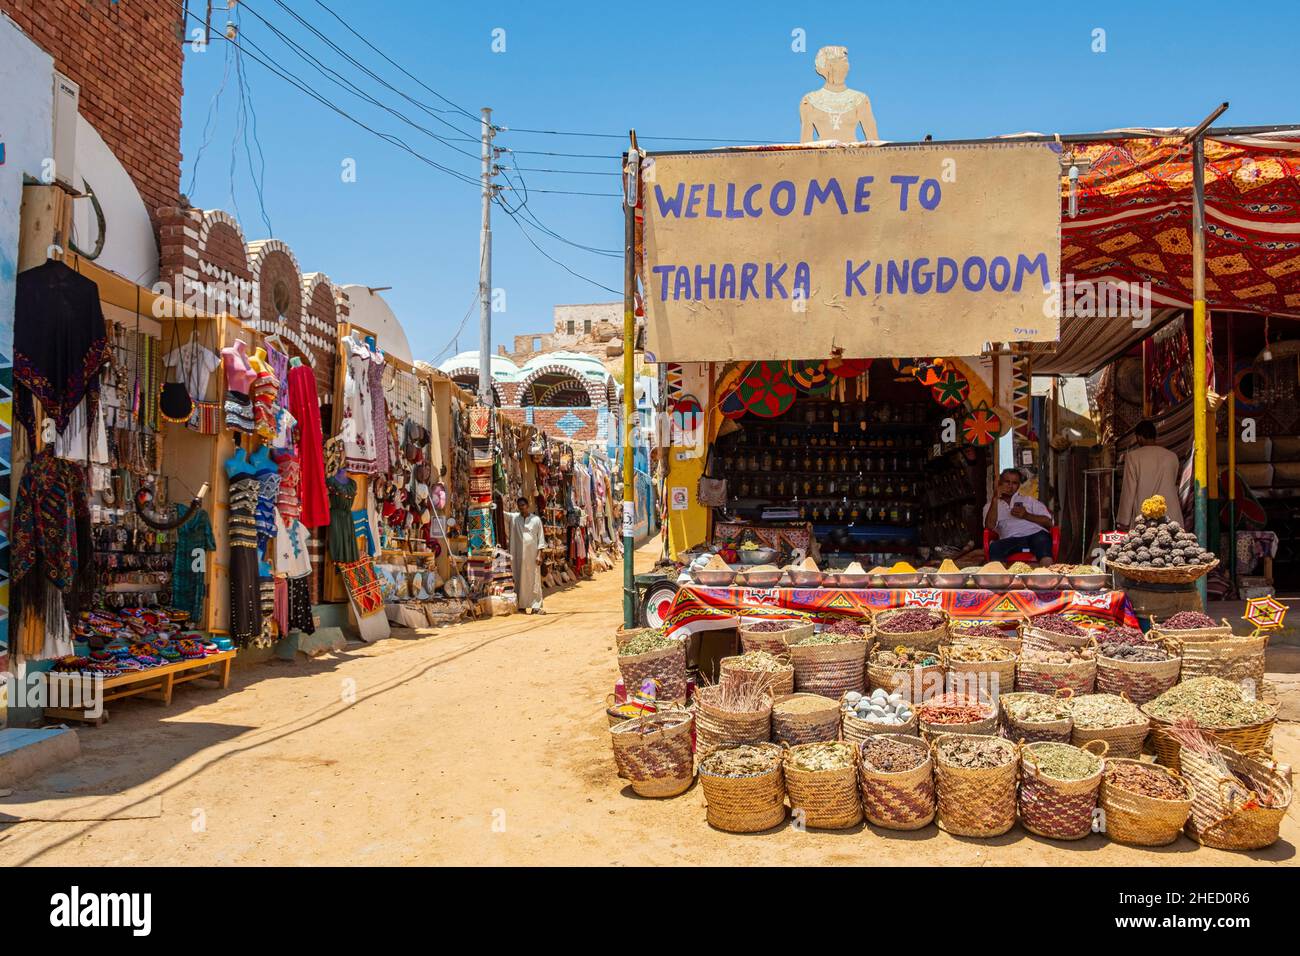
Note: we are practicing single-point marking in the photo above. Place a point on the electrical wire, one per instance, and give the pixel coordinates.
(208, 125)
(524, 229)
(681, 139)
(256, 174)
(389, 138)
(569, 172)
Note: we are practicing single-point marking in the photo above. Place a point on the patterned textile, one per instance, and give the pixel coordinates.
(300, 616)
(700, 609)
(245, 595)
(268, 493)
(189, 586)
(50, 524)
(264, 391)
(306, 410)
(290, 476)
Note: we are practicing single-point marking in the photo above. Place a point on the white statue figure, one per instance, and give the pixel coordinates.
(834, 111)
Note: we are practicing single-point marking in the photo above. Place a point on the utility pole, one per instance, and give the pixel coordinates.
(485, 267)
(631, 189)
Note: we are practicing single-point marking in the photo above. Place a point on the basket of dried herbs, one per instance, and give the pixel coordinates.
(1031, 717)
(759, 667)
(975, 777)
(1219, 707)
(896, 774)
(977, 666)
(1111, 718)
(744, 787)
(1240, 801)
(916, 673)
(1058, 788)
(730, 714)
(1141, 671)
(803, 718)
(1143, 804)
(829, 663)
(654, 654)
(821, 780)
(1063, 668)
(654, 753)
(775, 637)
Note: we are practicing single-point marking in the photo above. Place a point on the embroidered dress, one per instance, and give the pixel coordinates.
(379, 412)
(265, 389)
(264, 513)
(290, 476)
(358, 411)
(189, 586)
(343, 541)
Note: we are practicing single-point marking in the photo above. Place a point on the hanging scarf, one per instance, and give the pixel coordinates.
(51, 529)
(60, 344)
(305, 407)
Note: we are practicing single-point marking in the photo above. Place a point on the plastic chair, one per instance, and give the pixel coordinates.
(1026, 556)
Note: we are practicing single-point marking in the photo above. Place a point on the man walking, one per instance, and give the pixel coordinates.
(527, 541)
(1149, 469)
(1021, 522)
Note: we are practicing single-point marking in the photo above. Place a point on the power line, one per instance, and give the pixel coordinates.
(569, 172)
(682, 139)
(458, 108)
(389, 138)
(258, 177)
(208, 127)
(538, 152)
(523, 229)
(572, 192)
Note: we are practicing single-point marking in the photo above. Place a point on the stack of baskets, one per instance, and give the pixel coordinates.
(776, 643)
(1056, 808)
(830, 669)
(654, 753)
(824, 799)
(901, 800)
(745, 803)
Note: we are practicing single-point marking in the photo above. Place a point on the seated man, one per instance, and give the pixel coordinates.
(1021, 522)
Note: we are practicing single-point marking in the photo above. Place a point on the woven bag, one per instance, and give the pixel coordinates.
(855, 730)
(1235, 659)
(1031, 636)
(978, 802)
(746, 804)
(1032, 731)
(1123, 741)
(1190, 635)
(1078, 677)
(1055, 808)
(824, 799)
(984, 726)
(654, 753)
(1140, 820)
(985, 677)
(667, 665)
(776, 643)
(830, 669)
(1140, 681)
(715, 727)
(1229, 816)
(796, 721)
(778, 682)
(914, 683)
(904, 800)
(1249, 739)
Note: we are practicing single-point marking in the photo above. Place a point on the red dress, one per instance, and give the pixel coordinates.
(305, 407)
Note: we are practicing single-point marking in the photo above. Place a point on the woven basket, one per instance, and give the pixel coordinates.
(1140, 681)
(774, 642)
(957, 628)
(654, 753)
(1225, 818)
(1235, 659)
(1185, 574)
(715, 727)
(979, 802)
(1124, 741)
(922, 640)
(814, 726)
(1055, 731)
(828, 799)
(1078, 677)
(1190, 635)
(625, 634)
(899, 801)
(979, 728)
(985, 677)
(830, 669)
(1054, 808)
(1140, 820)
(779, 681)
(914, 683)
(666, 665)
(1252, 738)
(1031, 636)
(855, 730)
(745, 804)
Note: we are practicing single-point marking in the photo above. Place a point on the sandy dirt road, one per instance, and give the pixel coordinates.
(484, 743)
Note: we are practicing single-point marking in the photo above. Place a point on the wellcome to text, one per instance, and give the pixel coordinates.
(861, 277)
(785, 197)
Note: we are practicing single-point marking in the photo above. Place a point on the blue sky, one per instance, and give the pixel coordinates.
(717, 71)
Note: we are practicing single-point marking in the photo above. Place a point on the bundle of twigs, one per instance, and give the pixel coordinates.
(1192, 739)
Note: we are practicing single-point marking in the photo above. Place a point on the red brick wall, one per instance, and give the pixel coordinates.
(126, 57)
(545, 419)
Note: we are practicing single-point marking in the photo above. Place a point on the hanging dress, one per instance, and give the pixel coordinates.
(358, 429)
(189, 586)
(306, 409)
(342, 533)
(379, 412)
(245, 595)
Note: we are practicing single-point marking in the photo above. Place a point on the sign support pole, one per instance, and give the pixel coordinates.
(632, 183)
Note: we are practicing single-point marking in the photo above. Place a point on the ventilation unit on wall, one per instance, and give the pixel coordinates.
(67, 94)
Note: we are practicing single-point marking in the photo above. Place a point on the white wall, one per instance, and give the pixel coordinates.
(130, 249)
(371, 312)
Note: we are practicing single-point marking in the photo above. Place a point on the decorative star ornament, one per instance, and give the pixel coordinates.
(1266, 613)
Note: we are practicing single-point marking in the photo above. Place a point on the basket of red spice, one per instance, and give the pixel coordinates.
(957, 713)
(775, 637)
(924, 628)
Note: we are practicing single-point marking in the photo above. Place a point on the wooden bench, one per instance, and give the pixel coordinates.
(156, 683)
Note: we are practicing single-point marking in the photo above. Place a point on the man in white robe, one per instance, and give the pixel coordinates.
(527, 541)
